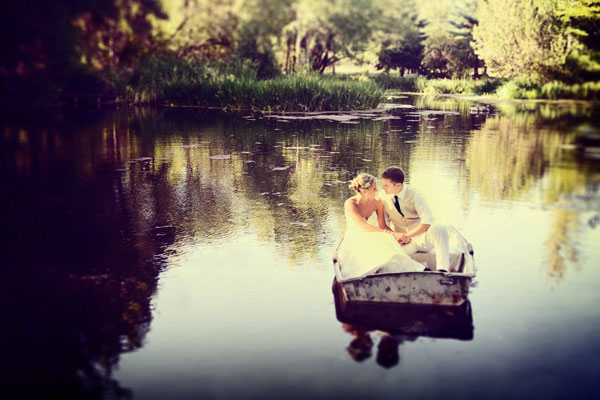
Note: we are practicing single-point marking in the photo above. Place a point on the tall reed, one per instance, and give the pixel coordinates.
(193, 83)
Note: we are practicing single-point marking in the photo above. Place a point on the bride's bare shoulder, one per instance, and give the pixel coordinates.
(350, 200)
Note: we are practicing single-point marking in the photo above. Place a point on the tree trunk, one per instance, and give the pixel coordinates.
(287, 57)
(333, 65)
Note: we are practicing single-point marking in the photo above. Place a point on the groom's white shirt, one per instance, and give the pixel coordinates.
(413, 205)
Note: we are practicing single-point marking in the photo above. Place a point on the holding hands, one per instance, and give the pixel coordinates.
(402, 238)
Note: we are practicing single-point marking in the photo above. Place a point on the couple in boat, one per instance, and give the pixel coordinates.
(405, 226)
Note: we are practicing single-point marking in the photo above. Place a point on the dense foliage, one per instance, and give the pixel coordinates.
(543, 39)
(61, 49)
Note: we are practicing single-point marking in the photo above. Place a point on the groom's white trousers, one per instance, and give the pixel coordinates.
(436, 237)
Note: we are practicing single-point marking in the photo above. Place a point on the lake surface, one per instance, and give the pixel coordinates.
(180, 254)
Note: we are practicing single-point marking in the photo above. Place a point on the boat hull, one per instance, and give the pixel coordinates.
(406, 319)
(433, 288)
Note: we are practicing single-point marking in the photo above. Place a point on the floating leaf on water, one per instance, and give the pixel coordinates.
(391, 106)
(280, 168)
(264, 193)
(385, 118)
(280, 204)
(366, 160)
(221, 157)
(338, 117)
(299, 223)
(434, 112)
(296, 148)
(250, 162)
(245, 152)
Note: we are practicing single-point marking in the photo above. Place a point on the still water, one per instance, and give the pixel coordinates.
(180, 254)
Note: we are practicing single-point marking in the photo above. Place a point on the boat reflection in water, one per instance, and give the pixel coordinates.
(398, 323)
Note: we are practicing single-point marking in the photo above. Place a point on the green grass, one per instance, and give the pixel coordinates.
(517, 88)
(171, 81)
(525, 88)
(435, 86)
(192, 83)
(456, 86)
(391, 82)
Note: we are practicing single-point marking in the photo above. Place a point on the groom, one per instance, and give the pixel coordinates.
(409, 213)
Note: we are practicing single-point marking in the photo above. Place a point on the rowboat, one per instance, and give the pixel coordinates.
(431, 288)
(442, 322)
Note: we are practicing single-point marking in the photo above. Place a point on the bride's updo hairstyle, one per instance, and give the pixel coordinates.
(362, 181)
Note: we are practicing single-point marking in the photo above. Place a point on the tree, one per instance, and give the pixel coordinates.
(583, 20)
(436, 60)
(328, 31)
(521, 37)
(463, 55)
(62, 44)
(203, 29)
(401, 37)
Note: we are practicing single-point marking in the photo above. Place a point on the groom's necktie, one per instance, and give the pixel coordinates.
(397, 204)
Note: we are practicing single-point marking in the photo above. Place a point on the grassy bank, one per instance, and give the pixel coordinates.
(518, 88)
(189, 83)
(436, 86)
(525, 89)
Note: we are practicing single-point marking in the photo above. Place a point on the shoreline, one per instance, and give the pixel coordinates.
(496, 101)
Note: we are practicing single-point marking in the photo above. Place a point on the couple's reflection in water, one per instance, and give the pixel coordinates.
(361, 346)
(394, 324)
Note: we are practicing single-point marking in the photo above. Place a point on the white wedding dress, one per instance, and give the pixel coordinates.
(363, 253)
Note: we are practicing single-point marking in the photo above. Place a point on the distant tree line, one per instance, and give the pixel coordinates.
(94, 46)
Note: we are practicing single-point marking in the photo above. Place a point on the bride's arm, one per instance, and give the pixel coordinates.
(351, 210)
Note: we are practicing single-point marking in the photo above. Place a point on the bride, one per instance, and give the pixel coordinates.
(367, 248)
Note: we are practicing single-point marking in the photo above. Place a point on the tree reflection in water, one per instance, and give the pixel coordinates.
(78, 274)
(95, 205)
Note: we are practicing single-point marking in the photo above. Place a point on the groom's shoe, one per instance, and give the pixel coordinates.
(427, 269)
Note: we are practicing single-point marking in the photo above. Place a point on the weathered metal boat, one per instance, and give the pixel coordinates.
(433, 288)
(442, 322)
